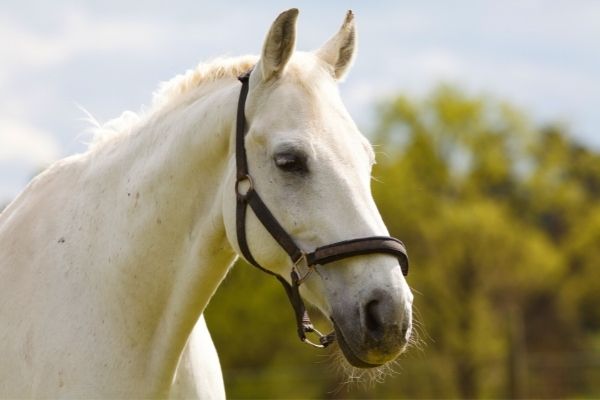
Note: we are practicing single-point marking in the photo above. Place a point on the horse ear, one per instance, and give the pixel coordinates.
(279, 44)
(339, 51)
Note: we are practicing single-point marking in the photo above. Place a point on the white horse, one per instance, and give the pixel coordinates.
(109, 258)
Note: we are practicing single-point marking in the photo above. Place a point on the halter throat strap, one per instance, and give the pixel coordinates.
(246, 195)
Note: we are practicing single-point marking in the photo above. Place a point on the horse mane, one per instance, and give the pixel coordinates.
(170, 92)
(217, 69)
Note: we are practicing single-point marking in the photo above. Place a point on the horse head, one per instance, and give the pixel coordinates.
(312, 167)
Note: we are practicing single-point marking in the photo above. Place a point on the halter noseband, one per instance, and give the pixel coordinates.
(247, 195)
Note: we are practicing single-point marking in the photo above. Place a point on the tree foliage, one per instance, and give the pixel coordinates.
(502, 222)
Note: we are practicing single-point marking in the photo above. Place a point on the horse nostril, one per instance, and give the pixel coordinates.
(373, 320)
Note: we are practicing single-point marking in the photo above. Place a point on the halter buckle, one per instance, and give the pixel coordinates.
(302, 260)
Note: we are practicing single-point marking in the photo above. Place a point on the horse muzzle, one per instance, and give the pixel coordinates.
(374, 332)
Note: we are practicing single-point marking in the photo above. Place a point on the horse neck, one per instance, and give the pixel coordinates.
(168, 251)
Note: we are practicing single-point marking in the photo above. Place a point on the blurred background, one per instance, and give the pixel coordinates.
(485, 119)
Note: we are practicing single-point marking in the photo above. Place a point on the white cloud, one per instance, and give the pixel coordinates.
(435, 65)
(26, 144)
(22, 46)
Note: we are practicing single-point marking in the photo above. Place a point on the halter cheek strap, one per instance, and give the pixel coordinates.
(247, 196)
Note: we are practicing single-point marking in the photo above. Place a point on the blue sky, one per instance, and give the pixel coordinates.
(110, 56)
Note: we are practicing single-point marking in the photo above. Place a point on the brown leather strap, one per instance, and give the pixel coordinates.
(251, 197)
(242, 173)
(240, 129)
(248, 196)
(273, 226)
(368, 245)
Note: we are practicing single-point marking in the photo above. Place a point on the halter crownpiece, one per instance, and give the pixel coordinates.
(247, 196)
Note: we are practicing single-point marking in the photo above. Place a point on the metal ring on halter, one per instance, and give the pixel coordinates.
(323, 339)
(310, 268)
(244, 178)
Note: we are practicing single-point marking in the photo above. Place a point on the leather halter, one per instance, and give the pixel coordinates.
(247, 195)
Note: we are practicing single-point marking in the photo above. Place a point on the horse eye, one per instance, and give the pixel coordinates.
(291, 162)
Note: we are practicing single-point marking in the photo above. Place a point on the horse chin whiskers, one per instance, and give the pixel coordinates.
(418, 336)
(352, 377)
